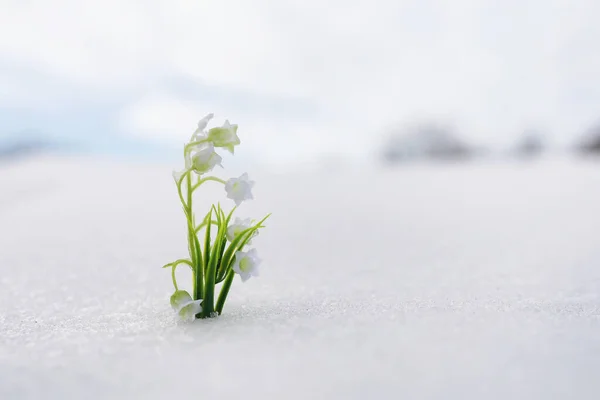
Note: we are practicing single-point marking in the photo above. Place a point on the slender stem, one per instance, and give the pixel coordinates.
(208, 305)
(185, 174)
(208, 178)
(173, 266)
(195, 252)
(173, 278)
(224, 291)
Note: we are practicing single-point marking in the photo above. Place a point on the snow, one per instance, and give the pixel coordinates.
(465, 281)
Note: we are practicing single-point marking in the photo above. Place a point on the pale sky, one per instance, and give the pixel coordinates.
(301, 78)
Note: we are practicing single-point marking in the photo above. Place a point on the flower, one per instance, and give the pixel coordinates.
(189, 311)
(201, 126)
(239, 189)
(225, 136)
(182, 303)
(238, 226)
(178, 174)
(205, 159)
(246, 264)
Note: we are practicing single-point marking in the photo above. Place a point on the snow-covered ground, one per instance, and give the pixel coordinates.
(464, 281)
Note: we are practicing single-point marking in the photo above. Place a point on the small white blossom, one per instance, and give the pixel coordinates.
(182, 303)
(201, 126)
(224, 136)
(238, 226)
(205, 159)
(246, 264)
(239, 189)
(178, 174)
(189, 311)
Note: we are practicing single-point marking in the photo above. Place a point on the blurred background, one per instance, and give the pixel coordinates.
(307, 81)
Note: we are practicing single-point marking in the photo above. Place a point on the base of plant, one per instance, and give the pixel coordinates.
(211, 315)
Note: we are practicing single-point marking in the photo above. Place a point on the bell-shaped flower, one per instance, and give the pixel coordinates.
(238, 226)
(179, 299)
(205, 159)
(182, 303)
(239, 189)
(224, 136)
(246, 264)
(188, 312)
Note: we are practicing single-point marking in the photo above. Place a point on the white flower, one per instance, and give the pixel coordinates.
(182, 303)
(239, 189)
(238, 226)
(201, 126)
(205, 159)
(225, 136)
(246, 264)
(189, 311)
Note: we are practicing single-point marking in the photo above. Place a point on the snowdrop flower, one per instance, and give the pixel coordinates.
(246, 264)
(238, 226)
(182, 303)
(225, 136)
(205, 159)
(239, 189)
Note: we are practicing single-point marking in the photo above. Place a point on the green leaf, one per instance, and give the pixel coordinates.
(209, 288)
(230, 215)
(207, 240)
(238, 244)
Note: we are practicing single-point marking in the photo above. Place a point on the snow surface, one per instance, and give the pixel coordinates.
(464, 281)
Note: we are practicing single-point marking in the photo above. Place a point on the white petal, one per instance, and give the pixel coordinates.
(251, 253)
(236, 267)
(189, 311)
(245, 276)
(204, 121)
(177, 175)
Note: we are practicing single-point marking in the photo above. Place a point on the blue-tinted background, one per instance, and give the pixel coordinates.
(305, 80)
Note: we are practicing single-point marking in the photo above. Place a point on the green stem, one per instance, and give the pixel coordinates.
(208, 305)
(224, 291)
(185, 174)
(195, 251)
(208, 178)
(174, 265)
(173, 278)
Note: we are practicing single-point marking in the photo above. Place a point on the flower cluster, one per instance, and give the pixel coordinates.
(213, 259)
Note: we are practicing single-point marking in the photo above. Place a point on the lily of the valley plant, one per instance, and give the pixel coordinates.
(216, 242)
